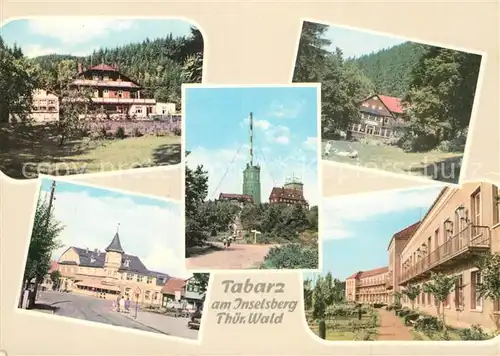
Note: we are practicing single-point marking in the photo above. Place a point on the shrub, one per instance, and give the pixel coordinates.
(404, 312)
(292, 256)
(412, 316)
(137, 132)
(428, 324)
(474, 333)
(120, 133)
(379, 305)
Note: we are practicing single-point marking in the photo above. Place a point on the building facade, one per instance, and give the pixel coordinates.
(109, 274)
(292, 193)
(368, 287)
(181, 294)
(381, 116)
(461, 225)
(45, 107)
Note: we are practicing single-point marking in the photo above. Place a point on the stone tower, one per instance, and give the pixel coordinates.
(114, 258)
(251, 174)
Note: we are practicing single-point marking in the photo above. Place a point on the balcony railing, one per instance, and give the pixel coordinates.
(473, 238)
(123, 101)
(389, 283)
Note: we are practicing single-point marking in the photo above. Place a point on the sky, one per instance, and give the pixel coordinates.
(355, 43)
(149, 228)
(356, 229)
(285, 136)
(79, 36)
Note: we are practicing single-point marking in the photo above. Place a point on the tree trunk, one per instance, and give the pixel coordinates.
(322, 329)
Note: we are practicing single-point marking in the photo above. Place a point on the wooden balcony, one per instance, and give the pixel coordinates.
(389, 283)
(467, 243)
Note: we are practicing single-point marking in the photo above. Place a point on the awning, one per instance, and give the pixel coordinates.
(97, 285)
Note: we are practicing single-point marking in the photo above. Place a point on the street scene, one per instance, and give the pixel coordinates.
(88, 271)
(252, 189)
(388, 103)
(106, 98)
(427, 266)
(102, 311)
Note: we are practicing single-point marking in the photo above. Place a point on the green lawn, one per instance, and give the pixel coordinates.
(25, 154)
(436, 165)
(344, 328)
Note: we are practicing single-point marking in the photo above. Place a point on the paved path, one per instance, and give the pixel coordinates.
(392, 328)
(237, 256)
(99, 310)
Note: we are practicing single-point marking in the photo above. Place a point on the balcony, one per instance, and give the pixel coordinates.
(123, 101)
(469, 242)
(389, 283)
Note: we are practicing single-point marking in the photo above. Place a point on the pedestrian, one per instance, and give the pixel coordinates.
(122, 304)
(328, 148)
(118, 304)
(127, 305)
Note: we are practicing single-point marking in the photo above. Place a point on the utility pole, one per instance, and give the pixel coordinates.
(51, 199)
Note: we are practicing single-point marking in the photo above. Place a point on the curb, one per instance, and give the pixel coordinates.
(148, 326)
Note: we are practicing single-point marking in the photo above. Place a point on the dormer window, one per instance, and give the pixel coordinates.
(126, 263)
(92, 259)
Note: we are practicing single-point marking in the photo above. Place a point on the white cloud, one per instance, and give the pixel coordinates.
(225, 177)
(272, 133)
(287, 110)
(311, 143)
(339, 213)
(75, 30)
(283, 140)
(152, 233)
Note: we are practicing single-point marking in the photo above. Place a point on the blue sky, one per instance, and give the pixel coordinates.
(355, 43)
(285, 135)
(357, 229)
(82, 35)
(149, 228)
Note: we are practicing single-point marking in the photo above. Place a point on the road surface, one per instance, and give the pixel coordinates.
(99, 310)
(237, 256)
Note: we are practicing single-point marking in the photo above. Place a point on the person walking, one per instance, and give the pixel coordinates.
(118, 304)
(127, 305)
(122, 304)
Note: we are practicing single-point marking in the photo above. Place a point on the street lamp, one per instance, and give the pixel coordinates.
(462, 213)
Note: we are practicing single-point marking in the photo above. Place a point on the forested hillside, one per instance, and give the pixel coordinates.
(437, 86)
(390, 69)
(160, 65)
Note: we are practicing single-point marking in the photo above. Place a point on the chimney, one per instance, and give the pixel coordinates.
(79, 68)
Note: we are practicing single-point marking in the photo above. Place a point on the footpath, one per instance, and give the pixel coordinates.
(392, 328)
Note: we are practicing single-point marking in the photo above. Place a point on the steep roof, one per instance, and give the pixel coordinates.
(104, 67)
(235, 196)
(96, 259)
(173, 285)
(287, 193)
(115, 245)
(405, 234)
(161, 278)
(392, 103)
(369, 273)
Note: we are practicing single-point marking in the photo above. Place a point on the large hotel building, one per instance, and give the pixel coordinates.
(460, 225)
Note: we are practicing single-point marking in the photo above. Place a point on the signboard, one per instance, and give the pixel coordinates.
(137, 292)
(177, 295)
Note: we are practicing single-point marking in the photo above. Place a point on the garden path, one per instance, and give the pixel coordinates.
(392, 328)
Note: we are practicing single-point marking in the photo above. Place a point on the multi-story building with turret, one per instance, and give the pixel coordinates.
(110, 273)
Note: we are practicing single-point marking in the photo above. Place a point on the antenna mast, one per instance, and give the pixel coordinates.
(251, 139)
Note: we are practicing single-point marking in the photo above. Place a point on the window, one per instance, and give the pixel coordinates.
(149, 280)
(476, 207)
(127, 292)
(130, 276)
(475, 300)
(459, 293)
(140, 278)
(147, 295)
(496, 207)
(429, 299)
